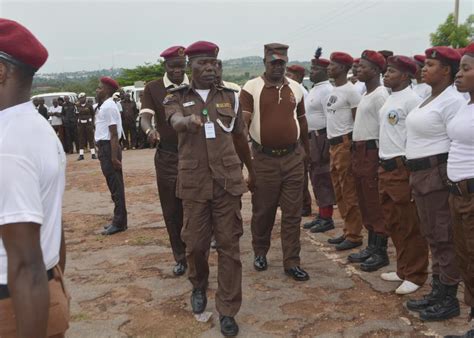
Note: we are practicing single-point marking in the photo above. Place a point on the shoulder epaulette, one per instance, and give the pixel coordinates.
(181, 87)
(227, 88)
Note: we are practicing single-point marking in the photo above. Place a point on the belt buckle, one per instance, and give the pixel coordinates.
(456, 186)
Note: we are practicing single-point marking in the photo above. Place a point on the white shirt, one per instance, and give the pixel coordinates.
(338, 109)
(366, 124)
(426, 126)
(360, 86)
(393, 114)
(32, 178)
(107, 115)
(422, 90)
(203, 93)
(305, 91)
(461, 152)
(56, 120)
(314, 105)
(119, 106)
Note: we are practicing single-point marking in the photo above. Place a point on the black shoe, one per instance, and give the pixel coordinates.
(324, 224)
(347, 245)
(468, 334)
(309, 225)
(306, 212)
(364, 254)
(260, 263)
(80, 158)
(297, 273)
(379, 257)
(198, 301)
(435, 295)
(107, 226)
(113, 229)
(229, 327)
(179, 269)
(94, 157)
(336, 240)
(446, 308)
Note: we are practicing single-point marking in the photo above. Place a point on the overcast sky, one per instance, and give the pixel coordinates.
(86, 35)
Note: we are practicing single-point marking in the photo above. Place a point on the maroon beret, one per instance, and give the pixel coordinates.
(469, 50)
(202, 48)
(403, 64)
(356, 60)
(375, 58)
(320, 62)
(173, 52)
(419, 59)
(296, 69)
(443, 53)
(109, 82)
(460, 51)
(342, 58)
(19, 46)
(385, 53)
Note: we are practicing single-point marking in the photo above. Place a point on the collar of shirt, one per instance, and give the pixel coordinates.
(269, 85)
(321, 83)
(19, 107)
(168, 83)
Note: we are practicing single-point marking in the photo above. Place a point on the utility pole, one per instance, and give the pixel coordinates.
(456, 12)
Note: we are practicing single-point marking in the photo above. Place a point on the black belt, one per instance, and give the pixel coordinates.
(321, 132)
(392, 164)
(339, 139)
(4, 293)
(275, 152)
(369, 144)
(462, 187)
(426, 162)
(102, 142)
(171, 147)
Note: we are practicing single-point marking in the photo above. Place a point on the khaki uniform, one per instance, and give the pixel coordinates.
(85, 125)
(210, 183)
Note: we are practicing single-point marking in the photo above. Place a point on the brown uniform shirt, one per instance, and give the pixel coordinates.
(129, 111)
(205, 161)
(278, 124)
(85, 112)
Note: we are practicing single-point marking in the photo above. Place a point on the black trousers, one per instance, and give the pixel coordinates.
(70, 138)
(130, 130)
(115, 183)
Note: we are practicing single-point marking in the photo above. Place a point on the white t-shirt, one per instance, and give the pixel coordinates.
(360, 86)
(314, 105)
(305, 91)
(203, 93)
(422, 90)
(338, 109)
(461, 152)
(366, 124)
(426, 126)
(56, 120)
(107, 115)
(393, 114)
(32, 178)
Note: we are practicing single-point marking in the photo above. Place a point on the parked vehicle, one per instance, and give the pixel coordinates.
(48, 97)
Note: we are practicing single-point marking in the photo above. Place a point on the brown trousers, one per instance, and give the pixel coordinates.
(431, 196)
(345, 189)
(320, 170)
(58, 321)
(219, 217)
(166, 166)
(85, 133)
(403, 224)
(462, 209)
(279, 182)
(365, 164)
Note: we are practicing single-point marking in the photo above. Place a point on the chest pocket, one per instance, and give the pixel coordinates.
(226, 119)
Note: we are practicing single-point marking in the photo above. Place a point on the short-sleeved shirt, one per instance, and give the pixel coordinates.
(393, 114)
(366, 124)
(426, 126)
(275, 111)
(461, 151)
(314, 105)
(32, 179)
(56, 120)
(107, 115)
(338, 109)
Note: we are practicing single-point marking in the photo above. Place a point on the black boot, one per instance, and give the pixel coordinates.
(362, 255)
(433, 297)
(379, 257)
(447, 307)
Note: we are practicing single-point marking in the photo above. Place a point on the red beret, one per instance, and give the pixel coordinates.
(469, 49)
(356, 60)
(296, 69)
(202, 48)
(320, 62)
(403, 64)
(109, 82)
(375, 58)
(342, 58)
(19, 46)
(420, 59)
(385, 53)
(173, 52)
(443, 53)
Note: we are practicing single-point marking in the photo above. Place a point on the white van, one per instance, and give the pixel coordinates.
(48, 97)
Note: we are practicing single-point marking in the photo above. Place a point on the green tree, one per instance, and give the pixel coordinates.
(448, 34)
(145, 73)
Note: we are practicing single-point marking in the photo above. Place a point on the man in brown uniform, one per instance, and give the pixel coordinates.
(275, 106)
(85, 126)
(166, 156)
(129, 118)
(212, 143)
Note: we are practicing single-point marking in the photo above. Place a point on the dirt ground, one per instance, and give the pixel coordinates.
(123, 286)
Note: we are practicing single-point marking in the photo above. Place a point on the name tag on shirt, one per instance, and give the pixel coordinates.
(188, 104)
(209, 130)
